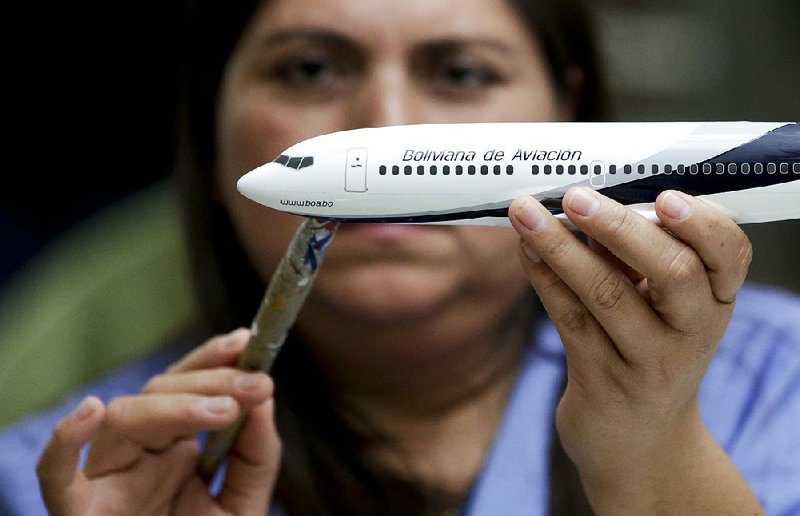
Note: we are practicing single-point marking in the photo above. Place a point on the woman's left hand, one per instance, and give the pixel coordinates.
(640, 311)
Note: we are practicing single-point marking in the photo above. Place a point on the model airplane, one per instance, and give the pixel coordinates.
(470, 173)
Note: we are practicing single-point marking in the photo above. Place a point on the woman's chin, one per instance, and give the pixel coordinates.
(398, 294)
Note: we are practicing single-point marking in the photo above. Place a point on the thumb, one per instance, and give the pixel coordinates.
(62, 483)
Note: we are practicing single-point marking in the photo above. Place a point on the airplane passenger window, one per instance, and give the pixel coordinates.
(420, 170)
(471, 170)
(654, 169)
(745, 168)
(784, 168)
(559, 169)
(598, 170)
(706, 168)
(694, 169)
(612, 169)
(497, 170)
(382, 170)
(433, 170)
(627, 169)
(732, 168)
(446, 170)
(668, 169)
(771, 168)
(584, 170)
(548, 169)
(510, 170)
(796, 168)
(395, 170)
(484, 170)
(681, 169)
(640, 168)
(407, 170)
(758, 168)
(720, 168)
(571, 170)
(535, 170)
(459, 170)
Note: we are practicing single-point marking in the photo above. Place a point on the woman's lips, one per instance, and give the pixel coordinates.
(387, 231)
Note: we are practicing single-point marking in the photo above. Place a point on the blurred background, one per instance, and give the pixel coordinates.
(93, 92)
(89, 229)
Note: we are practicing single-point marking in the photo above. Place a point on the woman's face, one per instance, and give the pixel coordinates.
(307, 67)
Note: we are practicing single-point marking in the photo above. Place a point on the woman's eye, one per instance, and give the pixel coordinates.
(465, 76)
(307, 76)
(460, 80)
(304, 72)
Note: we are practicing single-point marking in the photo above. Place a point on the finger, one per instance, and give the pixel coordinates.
(161, 477)
(722, 245)
(253, 464)
(678, 285)
(599, 249)
(222, 350)
(58, 465)
(581, 334)
(248, 388)
(604, 290)
(149, 486)
(135, 425)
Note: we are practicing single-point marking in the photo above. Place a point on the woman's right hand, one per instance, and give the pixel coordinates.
(144, 453)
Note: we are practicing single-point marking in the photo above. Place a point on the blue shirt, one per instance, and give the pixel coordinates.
(749, 400)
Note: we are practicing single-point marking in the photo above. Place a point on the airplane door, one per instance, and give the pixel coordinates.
(355, 175)
(597, 174)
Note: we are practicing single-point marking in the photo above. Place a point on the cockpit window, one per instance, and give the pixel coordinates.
(294, 162)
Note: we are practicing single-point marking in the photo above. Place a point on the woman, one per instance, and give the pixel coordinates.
(421, 376)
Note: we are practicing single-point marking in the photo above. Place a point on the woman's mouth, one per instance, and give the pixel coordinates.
(389, 232)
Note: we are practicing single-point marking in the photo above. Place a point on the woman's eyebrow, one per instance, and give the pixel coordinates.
(319, 36)
(335, 38)
(450, 44)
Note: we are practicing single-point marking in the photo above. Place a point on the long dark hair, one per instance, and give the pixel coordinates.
(324, 469)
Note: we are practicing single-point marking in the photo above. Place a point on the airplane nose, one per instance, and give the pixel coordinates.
(259, 184)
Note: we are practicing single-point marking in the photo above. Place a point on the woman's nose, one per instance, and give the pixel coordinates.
(386, 97)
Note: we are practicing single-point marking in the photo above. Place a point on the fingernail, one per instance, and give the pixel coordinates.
(248, 382)
(218, 404)
(84, 410)
(674, 206)
(231, 340)
(238, 332)
(530, 253)
(531, 216)
(583, 202)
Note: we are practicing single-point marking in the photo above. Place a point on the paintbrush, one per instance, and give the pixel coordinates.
(285, 295)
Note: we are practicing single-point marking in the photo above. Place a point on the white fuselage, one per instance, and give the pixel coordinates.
(457, 173)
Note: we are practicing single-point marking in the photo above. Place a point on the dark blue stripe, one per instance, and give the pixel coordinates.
(781, 145)
(434, 217)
